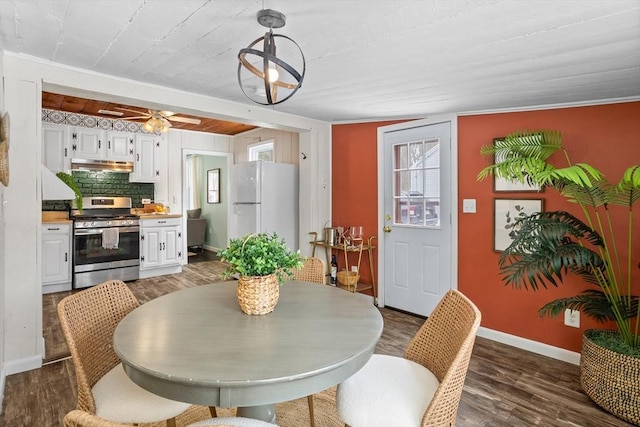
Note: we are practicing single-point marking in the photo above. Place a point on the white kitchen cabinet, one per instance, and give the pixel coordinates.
(91, 143)
(56, 155)
(160, 246)
(87, 143)
(120, 146)
(56, 257)
(146, 165)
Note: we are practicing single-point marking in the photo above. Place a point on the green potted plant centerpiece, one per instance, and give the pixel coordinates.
(262, 262)
(547, 247)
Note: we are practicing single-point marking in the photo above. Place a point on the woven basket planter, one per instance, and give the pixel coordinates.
(610, 379)
(258, 294)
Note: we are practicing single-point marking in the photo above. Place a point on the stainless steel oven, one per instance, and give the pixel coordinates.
(106, 241)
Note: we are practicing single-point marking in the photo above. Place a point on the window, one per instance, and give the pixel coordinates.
(262, 151)
(417, 183)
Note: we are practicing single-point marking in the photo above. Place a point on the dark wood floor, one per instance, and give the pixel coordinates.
(505, 386)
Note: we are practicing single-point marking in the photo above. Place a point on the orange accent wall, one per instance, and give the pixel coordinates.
(354, 175)
(605, 136)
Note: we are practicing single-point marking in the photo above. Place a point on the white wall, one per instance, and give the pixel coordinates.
(286, 144)
(2, 246)
(24, 80)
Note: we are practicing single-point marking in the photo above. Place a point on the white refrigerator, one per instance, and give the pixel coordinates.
(264, 198)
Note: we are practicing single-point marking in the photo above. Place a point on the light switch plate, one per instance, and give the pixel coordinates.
(468, 205)
(146, 201)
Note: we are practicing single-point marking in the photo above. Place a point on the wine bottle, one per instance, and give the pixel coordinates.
(334, 270)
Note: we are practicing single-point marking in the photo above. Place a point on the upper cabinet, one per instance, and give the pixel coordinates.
(56, 155)
(120, 146)
(146, 166)
(86, 143)
(91, 143)
(62, 143)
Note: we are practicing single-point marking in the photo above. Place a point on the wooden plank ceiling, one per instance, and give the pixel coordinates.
(71, 104)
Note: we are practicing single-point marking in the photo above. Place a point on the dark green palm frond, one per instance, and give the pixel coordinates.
(550, 228)
(546, 248)
(593, 303)
(537, 269)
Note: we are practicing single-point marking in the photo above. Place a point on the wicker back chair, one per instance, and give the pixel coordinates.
(428, 380)
(311, 271)
(194, 416)
(88, 319)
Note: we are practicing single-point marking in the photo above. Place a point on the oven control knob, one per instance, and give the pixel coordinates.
(93, 224)
(108, 223)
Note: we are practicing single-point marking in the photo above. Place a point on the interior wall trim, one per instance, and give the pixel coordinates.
(530, 345)
(21, 365)
(552, 106)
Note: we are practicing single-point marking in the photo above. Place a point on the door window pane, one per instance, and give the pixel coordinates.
(416, 183)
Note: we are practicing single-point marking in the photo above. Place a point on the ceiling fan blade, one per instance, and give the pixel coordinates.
(111, 113)
(133, 111)
(184, 120)
(134, 118)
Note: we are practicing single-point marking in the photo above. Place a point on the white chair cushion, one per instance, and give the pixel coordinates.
(120, 399)
(387, 391)
(232, 421)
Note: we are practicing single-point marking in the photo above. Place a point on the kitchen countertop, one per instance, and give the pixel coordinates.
(156, 215)
(60, 217)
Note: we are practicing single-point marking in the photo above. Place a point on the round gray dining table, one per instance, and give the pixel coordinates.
(196, 345)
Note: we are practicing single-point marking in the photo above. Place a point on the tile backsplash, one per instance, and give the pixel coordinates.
(95, 184)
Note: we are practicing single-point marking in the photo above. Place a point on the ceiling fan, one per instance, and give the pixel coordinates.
(158, 120)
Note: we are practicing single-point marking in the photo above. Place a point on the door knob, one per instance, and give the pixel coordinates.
(386, 229)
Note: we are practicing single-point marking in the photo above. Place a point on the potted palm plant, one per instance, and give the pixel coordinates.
(547, 247)
(262, 262)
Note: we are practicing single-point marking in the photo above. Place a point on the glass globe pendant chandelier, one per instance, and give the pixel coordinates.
(265, 77)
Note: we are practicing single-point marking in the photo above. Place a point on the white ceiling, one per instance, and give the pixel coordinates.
(365, 59)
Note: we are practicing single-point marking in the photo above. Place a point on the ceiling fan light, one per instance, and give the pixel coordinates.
(148, 126)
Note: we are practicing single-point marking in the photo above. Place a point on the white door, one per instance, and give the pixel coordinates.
(151, 247)
(171, 245)
(417, 235)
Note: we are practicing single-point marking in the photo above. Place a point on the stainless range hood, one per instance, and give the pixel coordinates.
(101, 165)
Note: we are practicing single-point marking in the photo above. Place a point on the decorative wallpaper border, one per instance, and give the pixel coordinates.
(75, 119)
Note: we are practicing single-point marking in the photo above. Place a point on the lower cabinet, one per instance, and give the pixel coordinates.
(56, 257)
(160, 246)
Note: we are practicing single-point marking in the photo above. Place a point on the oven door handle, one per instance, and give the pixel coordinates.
(89, 231)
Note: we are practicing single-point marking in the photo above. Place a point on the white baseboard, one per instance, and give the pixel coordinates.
(22, 365)
(211, 248)
(2, 382)
(530, 345)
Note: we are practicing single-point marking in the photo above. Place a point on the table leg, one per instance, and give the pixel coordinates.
(263, 412)
(373, 278)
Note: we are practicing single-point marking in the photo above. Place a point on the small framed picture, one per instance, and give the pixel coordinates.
(213, 186)
(501, 184)
(505, 213)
